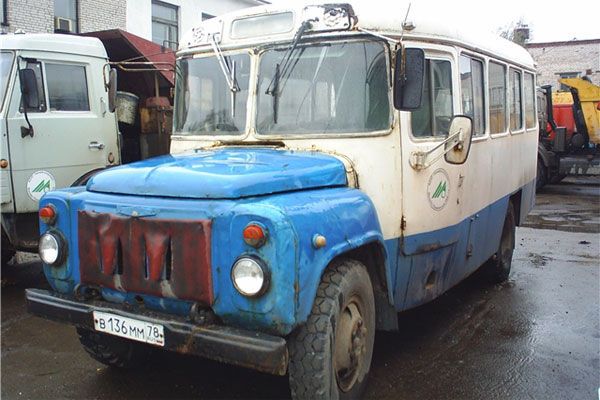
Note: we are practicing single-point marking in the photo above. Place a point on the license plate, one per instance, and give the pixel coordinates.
(129, 328)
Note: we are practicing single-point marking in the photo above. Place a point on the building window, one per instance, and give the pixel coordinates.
(3, 13)
(206, 16)
(165, 24)
(65, 16)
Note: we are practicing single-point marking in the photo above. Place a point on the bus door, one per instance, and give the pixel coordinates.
(435, 236)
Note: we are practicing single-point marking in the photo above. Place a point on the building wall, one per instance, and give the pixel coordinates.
(98, 15)
(139, 13)
(582, 57)
(30, 15)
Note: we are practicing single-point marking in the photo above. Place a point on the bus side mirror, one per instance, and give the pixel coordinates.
(29, 89)
(112, 90)
(408, 79)
(460, 136)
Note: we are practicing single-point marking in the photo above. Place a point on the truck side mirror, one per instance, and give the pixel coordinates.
(461, 129)
(29, 89)
(408, 79)
(112, 90)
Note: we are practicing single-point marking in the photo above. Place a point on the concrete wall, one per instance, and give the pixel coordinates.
(582, 57)
(139, 13)
(33, 16)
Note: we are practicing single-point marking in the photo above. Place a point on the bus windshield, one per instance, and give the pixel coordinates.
(204, 104)
(6, 60)
(324, 88)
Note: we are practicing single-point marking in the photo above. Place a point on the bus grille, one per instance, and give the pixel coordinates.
(159, 257)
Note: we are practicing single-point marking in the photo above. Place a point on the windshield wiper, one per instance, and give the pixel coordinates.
(282, 67)
(228, 72)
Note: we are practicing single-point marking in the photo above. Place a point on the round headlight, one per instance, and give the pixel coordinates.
(50, 248)
(249, 277)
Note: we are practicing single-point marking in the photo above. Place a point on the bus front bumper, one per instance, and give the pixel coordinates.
(249, 349)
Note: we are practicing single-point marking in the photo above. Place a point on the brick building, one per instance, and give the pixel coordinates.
(162, 21)
(575, 58)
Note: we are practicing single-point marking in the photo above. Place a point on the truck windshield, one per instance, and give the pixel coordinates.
(6, 60)
(325, 88)
(204, 103)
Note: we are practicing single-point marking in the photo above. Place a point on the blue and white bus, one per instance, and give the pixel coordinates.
(331, 166)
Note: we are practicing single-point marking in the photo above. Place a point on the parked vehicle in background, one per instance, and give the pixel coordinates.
(569, 131)
(58, 124)
(336, 167)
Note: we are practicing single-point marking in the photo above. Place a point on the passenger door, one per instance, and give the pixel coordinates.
(73, 132)
(435, 231)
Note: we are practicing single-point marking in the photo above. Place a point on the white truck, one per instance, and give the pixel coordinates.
(57, 124)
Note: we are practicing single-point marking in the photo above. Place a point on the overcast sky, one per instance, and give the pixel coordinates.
(548, 20)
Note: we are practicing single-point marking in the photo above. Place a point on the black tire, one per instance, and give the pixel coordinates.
(542, 175)
(111, 350)
(342, 317)
(498, 267)
(7, 250)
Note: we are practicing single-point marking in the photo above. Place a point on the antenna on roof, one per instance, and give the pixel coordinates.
(407, 26)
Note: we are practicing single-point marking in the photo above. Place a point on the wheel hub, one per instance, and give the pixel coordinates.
(350, 346)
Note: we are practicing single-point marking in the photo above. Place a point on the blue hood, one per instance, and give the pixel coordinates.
(225, 173)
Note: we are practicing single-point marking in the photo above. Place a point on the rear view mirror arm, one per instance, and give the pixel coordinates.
(420, 160)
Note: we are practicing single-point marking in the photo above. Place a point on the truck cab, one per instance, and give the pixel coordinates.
(61, 134)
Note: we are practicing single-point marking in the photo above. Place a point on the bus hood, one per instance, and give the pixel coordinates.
(224, 173)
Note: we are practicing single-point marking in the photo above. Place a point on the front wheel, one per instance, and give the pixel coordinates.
(330, 355)
(111, 350)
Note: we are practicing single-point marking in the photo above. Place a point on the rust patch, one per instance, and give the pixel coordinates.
(159, 257)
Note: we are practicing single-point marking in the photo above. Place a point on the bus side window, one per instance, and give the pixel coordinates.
(529, 101)
(516, 111)
(436, 111)
(472, 92)
(497, 95)
(36, 66)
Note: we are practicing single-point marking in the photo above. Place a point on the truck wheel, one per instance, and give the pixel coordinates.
(330, 355)
(110, 350)
(498, 267)
(542, 175)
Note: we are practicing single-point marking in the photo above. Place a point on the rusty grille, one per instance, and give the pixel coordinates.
(160, 257)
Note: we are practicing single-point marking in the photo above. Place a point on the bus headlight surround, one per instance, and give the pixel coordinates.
(52, 248)
(250, 276)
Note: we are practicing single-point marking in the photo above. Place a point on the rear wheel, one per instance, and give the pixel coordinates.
(498, 267)
(7, 250)
(330, 356)
(110, 350)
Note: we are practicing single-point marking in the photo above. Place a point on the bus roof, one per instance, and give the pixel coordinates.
(56, 43)
(428, 26)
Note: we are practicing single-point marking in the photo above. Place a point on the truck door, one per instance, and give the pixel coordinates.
(73, 132)
(433, 197)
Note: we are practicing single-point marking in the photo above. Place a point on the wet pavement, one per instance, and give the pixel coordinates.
(536, 336)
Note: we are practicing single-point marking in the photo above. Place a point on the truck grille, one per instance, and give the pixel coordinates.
(160, 257)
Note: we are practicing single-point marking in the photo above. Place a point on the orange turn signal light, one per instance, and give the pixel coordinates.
(254, 235)
(48, 214)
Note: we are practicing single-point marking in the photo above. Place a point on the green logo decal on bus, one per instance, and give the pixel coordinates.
(43, 186)
(440, 191)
